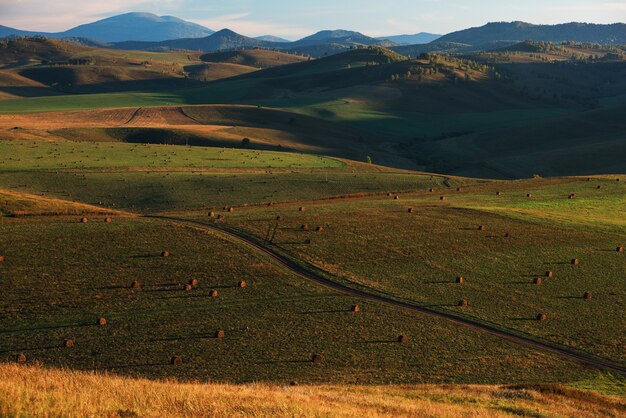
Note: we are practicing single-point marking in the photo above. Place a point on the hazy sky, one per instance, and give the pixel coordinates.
(296, 18)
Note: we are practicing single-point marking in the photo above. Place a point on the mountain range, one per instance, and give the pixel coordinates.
(145, 31)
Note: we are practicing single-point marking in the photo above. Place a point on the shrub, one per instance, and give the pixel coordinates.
(214, 293)
(102, 321)
(588, 296)
(220, 333)
(463, 303)
(176, 361)
(20, 358)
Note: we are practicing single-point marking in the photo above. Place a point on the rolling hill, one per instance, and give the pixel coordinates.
(125, 27)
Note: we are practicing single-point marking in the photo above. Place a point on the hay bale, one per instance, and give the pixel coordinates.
(84, 220)
(165, 254)
(463, 303)
(355, 308)
(588, 296)
(403, 339)
(319, 229)
(460, 280)
(458, 189)
(529, 195)
(220, 217)
(598, 187)
(188, 287)
(20, 358)
(537, 280)
(442, 198)
(211, 214)
(220, 333)
(411, 210)
(135, 285)
(542, 317)
(1, 259)
(572, 196)
(279, 218)
(588, 178)
(507, 235)
(102, 321)
(389, 194)
(231, 209)
(304, 227)
(498, 193)
(619, 249)
(293, 383)
(194, 282)
(176, 361)
(214, 293)
(68, 343)
(317, 358)
(431, 190)
(482, 228)
(549, 274)
(301, 209)
(242, 284)
(396, 197)
(108, 220)
(575, 261)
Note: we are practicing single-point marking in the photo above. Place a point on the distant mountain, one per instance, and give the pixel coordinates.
(271, 38)
(342, 37)
(126, 27)
(520, 31)
(225, 39)
(417, 39)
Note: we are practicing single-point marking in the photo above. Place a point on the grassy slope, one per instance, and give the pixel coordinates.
(36, 391)
(417, 256)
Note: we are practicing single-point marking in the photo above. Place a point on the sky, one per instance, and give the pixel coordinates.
(294, 19)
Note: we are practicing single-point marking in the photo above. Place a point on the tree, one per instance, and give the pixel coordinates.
(245, 142)
(369, 160)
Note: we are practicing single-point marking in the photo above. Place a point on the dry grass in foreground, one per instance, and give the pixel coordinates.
(35, 391)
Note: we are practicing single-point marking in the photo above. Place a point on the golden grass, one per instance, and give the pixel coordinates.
(35, 391)
(24, 204)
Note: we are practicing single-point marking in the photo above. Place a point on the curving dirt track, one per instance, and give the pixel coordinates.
(310, 274)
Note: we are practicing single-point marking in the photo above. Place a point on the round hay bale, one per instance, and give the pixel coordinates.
(482, 228)
(575, 261)
(220, 217)
(135, 285)
(529, 195)
(507, 235)
(211, 214)
(396, 197)
(619, 249)
(463, 303)
(431, 190)
(598, 187)
(279, 218)
(355, 308)
(194, 282)
(20, 358)
(498, 193)
(220, 333)
(403, 339)
(68, 343)
(84, 220)
(304, 227)
(460, 280)
(317, 358)
(242, 284)
(301, 209)
(231, 209)
(572, 196)
(389, 194)
(108, 220)
(411, 210)
(102, 321)
(214, 293)
(319, 229)
(549, 274)
(1, 259)
(588, 296)
(542, 317)
(188, 287)
(442, 198)
(458, 189)
(537, 280)
(293, 383)
(165, 254)
(616, 179)
(176, 361)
